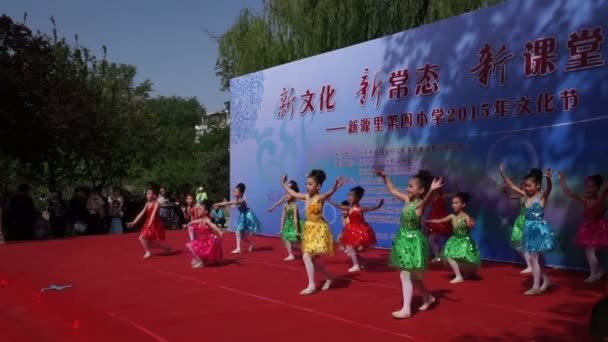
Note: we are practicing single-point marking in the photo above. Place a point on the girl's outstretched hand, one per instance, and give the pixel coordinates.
(380, 173)
(471, 223)
(130, 224)
(284, 178)
(339, 182)
(501, 167)
(549, 173)
(437, 183)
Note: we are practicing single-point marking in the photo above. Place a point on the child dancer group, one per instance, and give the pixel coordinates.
(531, 235)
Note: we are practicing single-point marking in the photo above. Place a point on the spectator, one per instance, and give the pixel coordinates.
(77, 211)
(57, 215)
(165, 207)
(201, 195)
(22, 215)
(116, 214)
(116, 196)
(96, 212)
(217, 216)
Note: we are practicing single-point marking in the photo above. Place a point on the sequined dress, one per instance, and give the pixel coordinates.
(410, 249)
(593, 231)
(317, 238)
(154, 228)
(461, 246)
(538, 235)
(438, 211)
(518, 227)
(357, 232)
(207, 246)
(289, 226)
(247, 220)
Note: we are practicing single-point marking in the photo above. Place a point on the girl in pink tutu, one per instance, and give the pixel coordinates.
(206, 248)
(593, 231)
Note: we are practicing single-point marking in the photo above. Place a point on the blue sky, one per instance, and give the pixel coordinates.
(165, 40)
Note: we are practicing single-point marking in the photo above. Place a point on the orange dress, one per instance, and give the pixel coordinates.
(154, 228)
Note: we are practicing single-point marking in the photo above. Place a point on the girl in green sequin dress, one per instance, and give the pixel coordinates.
(518, 226)
(460, 248)
(290, 223)
(410, 250)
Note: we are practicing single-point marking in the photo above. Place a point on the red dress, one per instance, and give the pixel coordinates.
(154, 228)
(357, 232)
(439, 211)
(593, 231)
(207, 246)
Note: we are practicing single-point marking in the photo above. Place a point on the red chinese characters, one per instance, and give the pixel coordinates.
(378, 124)
(428, 82)
(376, 92)
(327, 98)
(539, 57)
(393, 122)
(544, 103)
(353, 127)
(308, 105)
(287, 103)
(438, 115)
(365, 125)
(584, 49)
(406, 120)
(399, 84)
(489, 63)
(569, 98)
(522, 106)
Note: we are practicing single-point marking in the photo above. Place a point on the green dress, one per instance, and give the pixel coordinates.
(410, 248)
(461, 247)
(518, 227)
(289, 227)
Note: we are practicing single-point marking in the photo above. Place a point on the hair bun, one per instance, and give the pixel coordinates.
(319, 175)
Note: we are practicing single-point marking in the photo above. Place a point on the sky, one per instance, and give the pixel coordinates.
(164, 39)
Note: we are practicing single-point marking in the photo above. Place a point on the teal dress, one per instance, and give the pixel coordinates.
(461, 246)
(289, 226)
(518, 227)
(410, 249)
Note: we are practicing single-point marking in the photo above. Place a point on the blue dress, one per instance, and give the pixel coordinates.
(247, 220)
(538, 235)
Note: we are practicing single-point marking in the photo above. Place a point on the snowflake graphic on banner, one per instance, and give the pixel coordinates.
(245, 102)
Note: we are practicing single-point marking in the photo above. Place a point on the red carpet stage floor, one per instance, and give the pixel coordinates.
(118, 296)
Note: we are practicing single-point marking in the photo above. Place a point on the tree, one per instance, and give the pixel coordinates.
(289, 30)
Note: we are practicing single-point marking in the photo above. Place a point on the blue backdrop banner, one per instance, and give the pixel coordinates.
(525, 82)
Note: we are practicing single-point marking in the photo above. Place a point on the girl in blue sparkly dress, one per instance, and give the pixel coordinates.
(248, 223)
(537, 235)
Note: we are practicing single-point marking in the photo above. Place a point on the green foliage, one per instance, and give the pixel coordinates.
(71, 119)
(289, 30)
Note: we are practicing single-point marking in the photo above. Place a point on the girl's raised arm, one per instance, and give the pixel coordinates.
(508, 181)
(338, 205)
(339, 182)
(436, 184)
(441, 220)
(290, 190)
(391, 188)
(376, 207)
(548, 188)
(281, 200)
(562, 182)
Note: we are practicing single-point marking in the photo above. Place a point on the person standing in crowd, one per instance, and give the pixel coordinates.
(201, 195)
(165, 206)
(21, 215)
(116, 196)
(57, 215)
(96, 209)
(77, 211)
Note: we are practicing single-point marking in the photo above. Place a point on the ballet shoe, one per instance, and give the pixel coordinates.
(428, 304)
(401, 314)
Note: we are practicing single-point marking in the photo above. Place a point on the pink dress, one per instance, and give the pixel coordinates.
(593, 231)
(207, 246)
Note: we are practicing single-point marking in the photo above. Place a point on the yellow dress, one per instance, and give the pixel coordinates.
(317, 237)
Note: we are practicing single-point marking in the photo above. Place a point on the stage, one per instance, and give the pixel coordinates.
(118, 296)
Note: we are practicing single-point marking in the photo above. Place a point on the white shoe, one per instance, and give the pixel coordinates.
(307, 291)
(198, 265)
(147, 255)
(526, 271)
(289, 258)
(251, 248)
(355, 268)
(326, 285)
(236, 251)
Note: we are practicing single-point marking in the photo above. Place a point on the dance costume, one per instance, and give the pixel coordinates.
(593, 231)
(289, 226)
(317, 238)
(537, 235)
(438, 211)
(461, 247)
(410, 248)
(154, 228)
(207, 247)
(247, 220)
(357, 232)
(518, 227)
